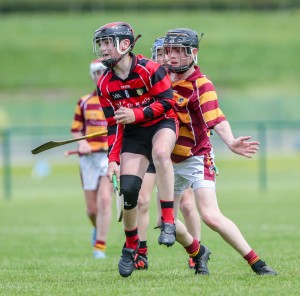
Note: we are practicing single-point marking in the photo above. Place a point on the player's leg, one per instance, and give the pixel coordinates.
(90, 197)
(104, 213)
(163, 143)
(141, 260)
(91, 205)
(211, 215)
(191, 217)
(184, 173)
(133, 169)
(89, 186)
(198, 253)
(191, 245)
(190, 213)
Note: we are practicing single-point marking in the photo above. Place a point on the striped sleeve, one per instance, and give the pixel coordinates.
(78, 119)
(161, 90)
(212, 114)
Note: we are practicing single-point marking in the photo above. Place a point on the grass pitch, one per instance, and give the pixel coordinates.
(44, 233)
(45, 239)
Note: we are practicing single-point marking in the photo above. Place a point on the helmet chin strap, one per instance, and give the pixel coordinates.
(123, 53)
(180, 69)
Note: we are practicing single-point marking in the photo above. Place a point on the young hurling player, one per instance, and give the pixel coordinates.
(137, 99)
(89, 118)
(187, 202)
(198, 111)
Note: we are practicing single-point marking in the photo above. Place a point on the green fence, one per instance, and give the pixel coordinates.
(274, 137)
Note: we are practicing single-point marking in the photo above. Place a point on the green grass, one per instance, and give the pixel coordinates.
(252, 57)
(45, 248)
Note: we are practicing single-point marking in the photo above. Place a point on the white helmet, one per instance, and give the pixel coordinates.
(95, 66)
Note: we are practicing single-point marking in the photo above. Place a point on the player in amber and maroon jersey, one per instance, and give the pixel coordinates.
(199, 112)
(137, 99)
(187, 201)
(89, 118)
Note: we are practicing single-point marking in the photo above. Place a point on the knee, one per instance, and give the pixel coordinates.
(130, 186)
(143, 202)
(104, 203)
(186, 208)
(161, 156)
(212, 220)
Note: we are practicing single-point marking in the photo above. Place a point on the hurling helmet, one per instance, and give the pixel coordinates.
(158, 44)
(117, 31)
(182, 37)
(95, 66)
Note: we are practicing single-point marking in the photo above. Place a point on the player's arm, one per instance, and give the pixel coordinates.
(215, 119)
(239, 145)
(77, 129)
(161, 90)
(114, 130)
(83, 145)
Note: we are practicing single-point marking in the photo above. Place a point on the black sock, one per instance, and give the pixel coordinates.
(143, 244)
(143, 249)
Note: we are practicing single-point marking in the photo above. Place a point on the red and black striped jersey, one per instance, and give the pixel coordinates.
(147, 90)
(198, 111)
(89, 118)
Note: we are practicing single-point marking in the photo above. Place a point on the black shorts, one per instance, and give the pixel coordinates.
(151, 169)
(138, 139)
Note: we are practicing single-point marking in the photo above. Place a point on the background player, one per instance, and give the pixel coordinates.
(89, 118)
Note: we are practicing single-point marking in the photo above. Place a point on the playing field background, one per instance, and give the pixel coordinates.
(253, 60)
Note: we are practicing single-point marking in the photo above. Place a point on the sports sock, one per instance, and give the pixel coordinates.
(193, 248)
(254, 261)
(167, 211)
(132, 238)
(143, 249)
(100, 245)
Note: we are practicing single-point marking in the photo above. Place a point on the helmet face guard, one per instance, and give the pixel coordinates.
(110, 57)
(184, 40)
(110, 35)
(157, 45)
(183, 65)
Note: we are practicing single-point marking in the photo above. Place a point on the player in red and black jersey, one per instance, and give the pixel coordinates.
(137, 99)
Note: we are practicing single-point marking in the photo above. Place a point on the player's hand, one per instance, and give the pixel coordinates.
(84, 147)
(242, 147)
(113, 168)
(124, 116)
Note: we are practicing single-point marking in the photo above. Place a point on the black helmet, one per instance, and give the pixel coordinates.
(182, 37)
(117, 31)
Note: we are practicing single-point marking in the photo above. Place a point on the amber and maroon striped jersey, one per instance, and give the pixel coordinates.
(89, 118)
(147, 90)
(198, 111)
